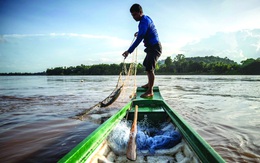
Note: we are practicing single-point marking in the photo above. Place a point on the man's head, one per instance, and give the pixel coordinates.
(136, 11)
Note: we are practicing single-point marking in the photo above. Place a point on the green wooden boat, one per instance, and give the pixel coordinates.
(193, 148)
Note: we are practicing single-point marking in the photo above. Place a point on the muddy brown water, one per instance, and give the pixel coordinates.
(36, 111)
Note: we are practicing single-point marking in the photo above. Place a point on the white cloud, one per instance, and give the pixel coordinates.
(234, 45)
(23, 35)
(257, 45)
(56, 49)
(2, 39)
(111, 40)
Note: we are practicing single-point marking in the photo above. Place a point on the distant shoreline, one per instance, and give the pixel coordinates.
(180, 65)
(159, 74)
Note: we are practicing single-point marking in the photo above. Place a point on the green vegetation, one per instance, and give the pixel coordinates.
(200, 65)
(208, 65)
(22, 74)
(180, 65)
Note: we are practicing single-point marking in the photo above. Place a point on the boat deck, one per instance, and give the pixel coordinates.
(150, 105)
(157, 94)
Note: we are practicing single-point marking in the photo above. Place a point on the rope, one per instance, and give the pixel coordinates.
(131, 71)
(134, 91)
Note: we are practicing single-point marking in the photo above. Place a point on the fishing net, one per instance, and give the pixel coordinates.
(106, 102)
(126, 73)
(157, 139)
(119, 137)
(148, 137)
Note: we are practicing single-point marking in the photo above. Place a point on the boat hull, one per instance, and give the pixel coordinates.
(95, 147)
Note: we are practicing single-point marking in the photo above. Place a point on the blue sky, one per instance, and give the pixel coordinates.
(40, 34)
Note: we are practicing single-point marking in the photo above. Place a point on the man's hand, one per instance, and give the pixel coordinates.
(125, 54)
(136, 33)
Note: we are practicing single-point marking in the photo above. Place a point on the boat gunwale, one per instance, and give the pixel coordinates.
(200, 147)
(82, 151)
(207, 154)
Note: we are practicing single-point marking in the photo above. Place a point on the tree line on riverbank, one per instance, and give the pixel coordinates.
(179, 65)
(208, 65)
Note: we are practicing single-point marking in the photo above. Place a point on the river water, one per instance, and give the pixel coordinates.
(36, 111)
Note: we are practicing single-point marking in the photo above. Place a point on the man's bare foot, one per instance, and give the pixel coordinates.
(147, 95)
(145, 86)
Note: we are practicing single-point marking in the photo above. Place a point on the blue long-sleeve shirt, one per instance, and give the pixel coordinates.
(146, 32)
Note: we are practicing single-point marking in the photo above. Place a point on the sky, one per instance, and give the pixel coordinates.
(40, 34)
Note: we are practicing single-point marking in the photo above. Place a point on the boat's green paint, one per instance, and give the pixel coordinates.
(155, 108)
(203, 150)
(84, 149)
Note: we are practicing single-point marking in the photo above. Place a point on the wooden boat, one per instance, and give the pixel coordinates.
(192, 148)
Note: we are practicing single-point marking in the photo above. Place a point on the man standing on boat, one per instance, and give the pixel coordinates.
(148, 33)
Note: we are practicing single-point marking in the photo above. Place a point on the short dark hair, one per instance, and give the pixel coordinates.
(136, 8)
